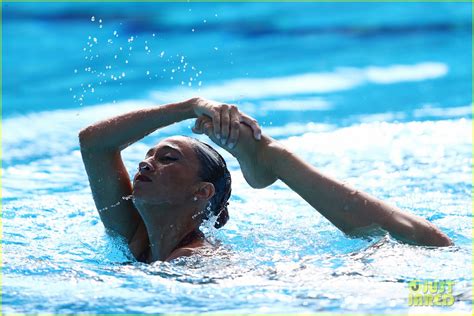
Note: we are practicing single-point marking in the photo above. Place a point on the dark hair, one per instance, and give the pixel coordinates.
(213, 169)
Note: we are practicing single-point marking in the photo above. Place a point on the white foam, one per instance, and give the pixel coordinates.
(403, 73)
(429, 110)
(306, 104)
(430, 143)
(308, 83)
(291, 129)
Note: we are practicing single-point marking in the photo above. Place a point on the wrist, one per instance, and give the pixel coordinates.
(273, 153)
(187, 108)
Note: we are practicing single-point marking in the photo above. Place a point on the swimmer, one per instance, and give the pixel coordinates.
(182, 181)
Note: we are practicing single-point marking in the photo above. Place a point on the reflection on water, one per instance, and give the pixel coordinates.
(275, 254)
(375, 97)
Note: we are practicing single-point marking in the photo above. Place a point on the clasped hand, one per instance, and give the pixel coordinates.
(223, 120)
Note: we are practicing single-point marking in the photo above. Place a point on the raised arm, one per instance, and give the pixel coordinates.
(348, 209)
(101, 144)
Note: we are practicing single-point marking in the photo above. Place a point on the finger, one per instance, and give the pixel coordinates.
(198, 122)
(216, 121)
(253, 124)
(197, 130)
(234, 126)
(207, 128)
(197, 125)
(225, 123)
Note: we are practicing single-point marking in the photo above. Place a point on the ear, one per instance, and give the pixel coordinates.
(205, 191)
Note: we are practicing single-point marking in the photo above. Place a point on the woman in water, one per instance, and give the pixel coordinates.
(183, 181)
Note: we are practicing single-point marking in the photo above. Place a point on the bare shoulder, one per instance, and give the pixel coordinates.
(190, 249)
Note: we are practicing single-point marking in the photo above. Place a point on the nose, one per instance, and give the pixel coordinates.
(145, 166)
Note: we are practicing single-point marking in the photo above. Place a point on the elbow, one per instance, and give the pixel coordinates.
(439, 239)
(433, 236)
(86, 138)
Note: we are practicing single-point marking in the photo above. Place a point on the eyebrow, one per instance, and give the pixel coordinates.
(169, 147)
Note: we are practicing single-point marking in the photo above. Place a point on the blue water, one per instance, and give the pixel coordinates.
(378, 95)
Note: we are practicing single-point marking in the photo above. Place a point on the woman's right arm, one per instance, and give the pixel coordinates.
(101, 144)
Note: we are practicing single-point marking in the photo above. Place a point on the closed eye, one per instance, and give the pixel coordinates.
(168, 158)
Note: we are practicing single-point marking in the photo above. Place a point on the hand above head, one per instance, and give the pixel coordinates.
(254, 156)
(226, 120)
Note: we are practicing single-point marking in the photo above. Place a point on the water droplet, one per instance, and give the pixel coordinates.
(147, 72)
(146, 48)
(205, 21)
(123, 74)
(171, 78)
(126, 61)
(75, 71)
(92, 90)
(153, 34)
(92, 18)
(115, 56)
(95, 40)
(128, 197)
(100, 20)
(192, 30)
(216, 48)
(100, 26)
(115, 34)
(110, 41)
(199, 83)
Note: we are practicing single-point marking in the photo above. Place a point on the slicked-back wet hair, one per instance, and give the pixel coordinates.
(213, 169)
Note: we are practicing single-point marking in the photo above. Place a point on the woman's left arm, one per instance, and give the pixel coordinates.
(350, 210)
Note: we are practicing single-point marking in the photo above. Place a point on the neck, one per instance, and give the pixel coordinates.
(165, 228)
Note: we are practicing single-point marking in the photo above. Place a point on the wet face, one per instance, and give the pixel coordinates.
(168, 174)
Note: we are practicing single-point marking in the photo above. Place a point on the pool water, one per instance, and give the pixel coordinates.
(378, 95)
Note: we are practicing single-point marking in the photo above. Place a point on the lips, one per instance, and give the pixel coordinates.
(142, 178)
